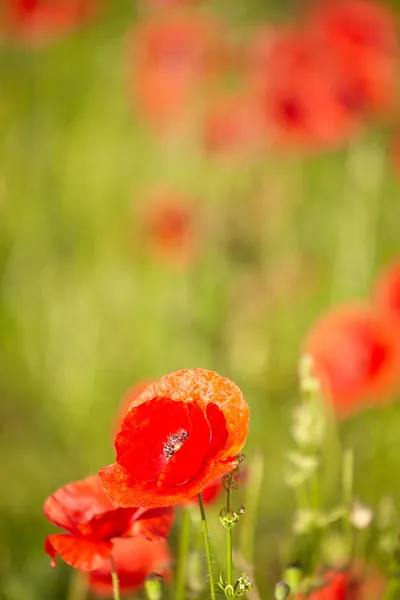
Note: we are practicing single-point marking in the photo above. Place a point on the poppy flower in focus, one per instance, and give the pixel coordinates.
(363, 36)
(37, 21)
(131, 395)
(356, 351)
(387, 290)
(93, 524)
(171, 231)
(173, 55)
(135, 559)
(182, 432)
(234, 126)
(301, 93)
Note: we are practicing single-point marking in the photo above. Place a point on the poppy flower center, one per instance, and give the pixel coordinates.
(174, 443)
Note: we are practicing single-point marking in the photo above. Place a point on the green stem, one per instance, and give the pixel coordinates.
(207, 546)
(183, 550)
(229, 562)
(77, 589)
(392, 591)
(115, 580)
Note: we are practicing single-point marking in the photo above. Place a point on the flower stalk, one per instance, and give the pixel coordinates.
(183, 551)
(115, 580)
(207, 546)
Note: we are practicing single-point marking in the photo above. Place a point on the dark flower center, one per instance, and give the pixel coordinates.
(174, 443)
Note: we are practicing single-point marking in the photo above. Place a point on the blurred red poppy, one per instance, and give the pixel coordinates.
(336, 588)
(363, 36)
(135, 559)
(37, 21)
(387, 290)
(93, 523)
(171, 228)
(234, 126)
(173, 55)
(301, 93)
(182, 432)
(131, 395)
(342, 585)
(357, 356)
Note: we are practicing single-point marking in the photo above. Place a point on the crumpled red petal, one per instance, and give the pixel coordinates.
(205, 387)
(81, 553)
(187, 462)
(125, 489)
(219, 432)
(153, 524)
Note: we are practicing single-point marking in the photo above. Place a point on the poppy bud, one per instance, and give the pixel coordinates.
(293, 577)
(154, 586)
(282, 591)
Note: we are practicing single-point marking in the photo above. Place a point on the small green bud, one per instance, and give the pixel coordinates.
(282, 591)
(154, 586)
(293, 578)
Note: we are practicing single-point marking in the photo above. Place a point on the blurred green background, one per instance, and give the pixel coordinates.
(86, 312)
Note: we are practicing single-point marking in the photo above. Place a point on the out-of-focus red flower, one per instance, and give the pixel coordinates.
(356, 350)
(173, 55)
(182, 432)
(342, 585)
(301, 93)
(131, 395)
(135, 559)
(93, 524)
(363, 35)
(234, 126)
(337, 587)
(387, 291)
(170, 228)
(38, 21)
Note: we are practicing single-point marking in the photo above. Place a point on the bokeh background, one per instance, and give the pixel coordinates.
(96, 295)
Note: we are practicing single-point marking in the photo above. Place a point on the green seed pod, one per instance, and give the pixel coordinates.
(282, 591)
(154, 586)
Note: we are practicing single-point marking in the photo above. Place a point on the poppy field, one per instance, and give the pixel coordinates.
(200, 299)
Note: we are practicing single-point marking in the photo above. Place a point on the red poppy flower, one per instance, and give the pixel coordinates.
(135, 559)
(132, 394)
(234, 126)
(363, 36)
(337, 586)
(174, 54)
(342, 585)
(36, 21)
(387, 292)
(357, 356)
(181, 433)
(301, 95)
(171, 229)
(93, 523)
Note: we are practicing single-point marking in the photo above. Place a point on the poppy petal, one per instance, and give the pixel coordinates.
(135, 559)
(81, 553)
(219, 432)
(76, 502)
(205, 387)
(126, 490)
(186, 463)
(154, 523)
(145, 431)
